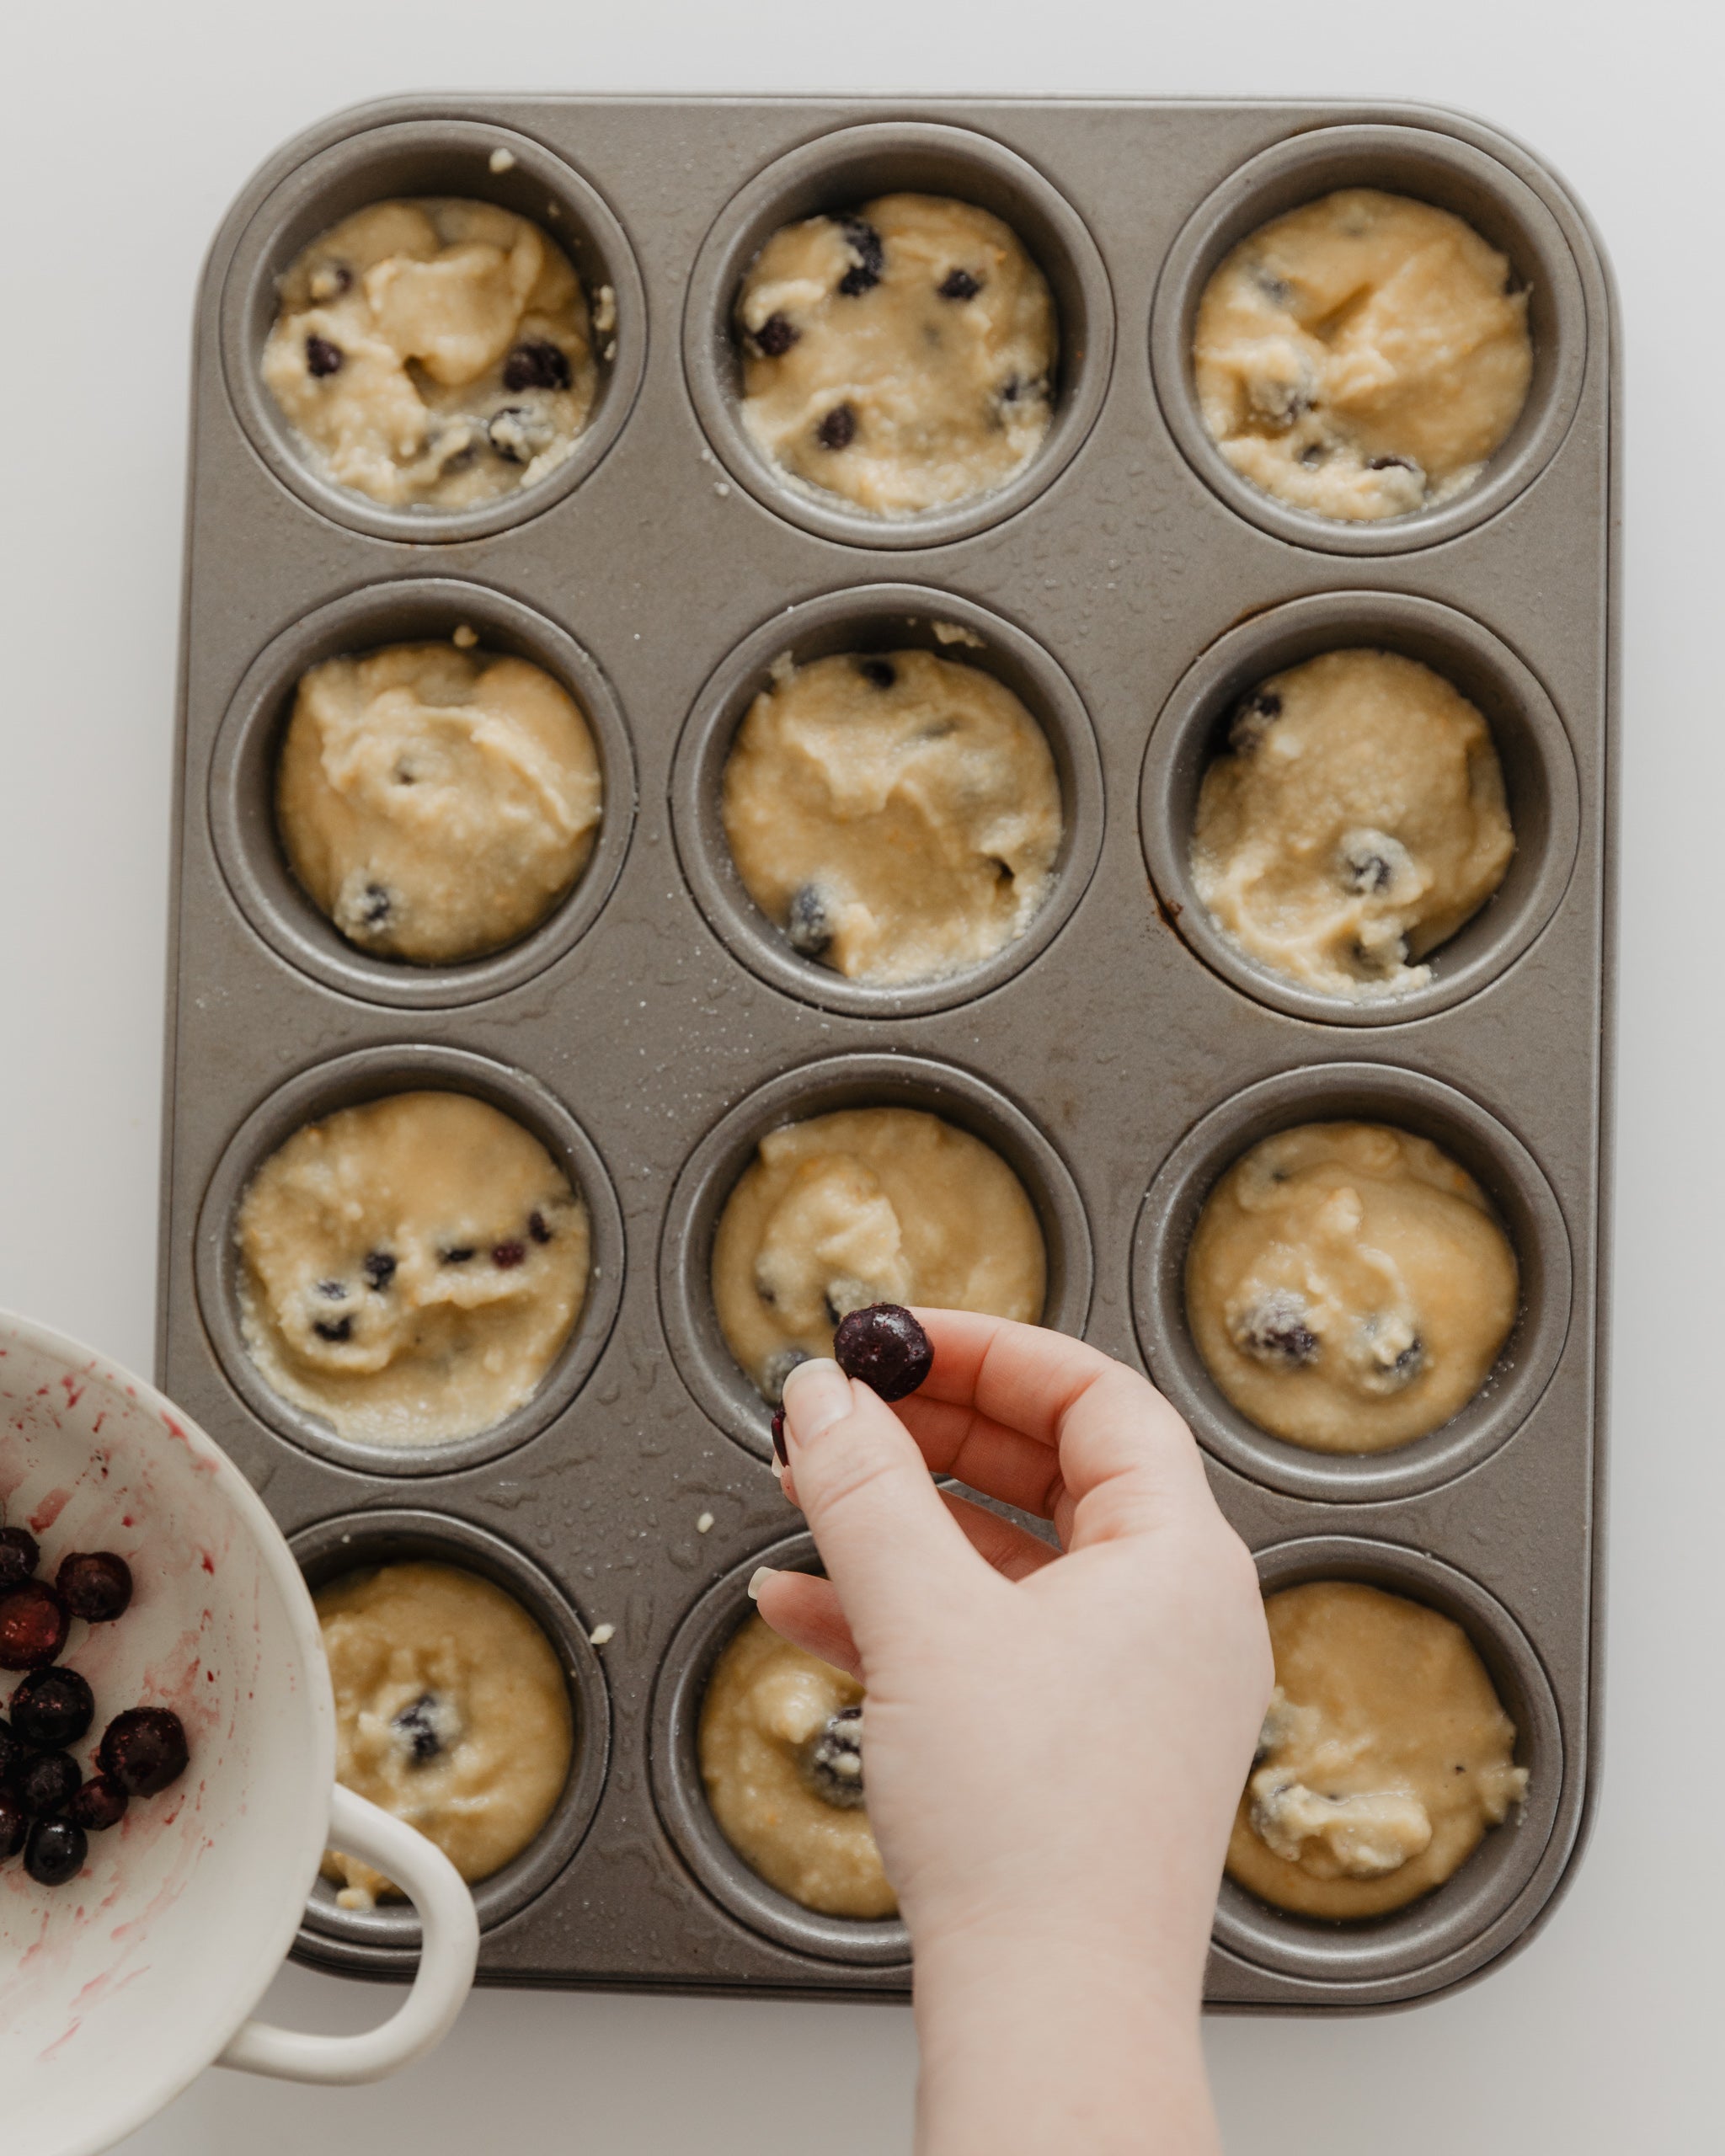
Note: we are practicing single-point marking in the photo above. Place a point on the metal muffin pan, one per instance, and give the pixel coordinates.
(1127, 586)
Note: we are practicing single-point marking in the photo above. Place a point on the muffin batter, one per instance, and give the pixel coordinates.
(433, 354)
(868, 1205)
(1386, 1755)
(435, 803)
(896, 814)
(1348, 1286)
(1357, 821)
(782, 1758)
(450, 1711)
(902, 356)
(411, 1268)
(1362, 356)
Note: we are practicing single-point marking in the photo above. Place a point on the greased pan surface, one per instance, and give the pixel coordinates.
(1127, 585)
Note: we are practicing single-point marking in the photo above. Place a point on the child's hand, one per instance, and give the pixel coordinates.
(1055, 1740)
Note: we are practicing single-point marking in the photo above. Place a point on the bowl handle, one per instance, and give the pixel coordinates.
(449, 1933)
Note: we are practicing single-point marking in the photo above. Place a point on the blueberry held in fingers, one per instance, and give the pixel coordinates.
(885, 1347)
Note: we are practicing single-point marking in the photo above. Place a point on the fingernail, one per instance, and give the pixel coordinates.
(778, 1469)
(758, 1579)
(816, 1394)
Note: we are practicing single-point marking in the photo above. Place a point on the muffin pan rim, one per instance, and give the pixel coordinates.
(708, 344)
(715, 1164)
(1502, 933)
(444, 1538)
(254, 265)
(268, 892)
(679, 1684)
(1197, 252)
(378, 1073)
(1398, 1944)
(710, 730)
(1345, 1092)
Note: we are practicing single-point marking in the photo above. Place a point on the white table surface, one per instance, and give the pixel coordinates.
(128, 129)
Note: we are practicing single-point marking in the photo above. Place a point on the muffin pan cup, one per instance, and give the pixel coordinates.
(1119, 1056)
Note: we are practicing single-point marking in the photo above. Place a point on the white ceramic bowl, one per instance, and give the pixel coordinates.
(116, 1989)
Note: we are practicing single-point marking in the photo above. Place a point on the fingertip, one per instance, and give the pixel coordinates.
(816, 1394)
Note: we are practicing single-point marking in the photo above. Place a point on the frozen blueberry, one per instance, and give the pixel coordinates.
(838, 429)
(1372, 860)
(881, 672)
(864, 243)
(52, 1707)
(376, 905)
(779, 1368)
(19, 1556)
(884, 1346)
(55, 1852)
(1252, 719)
(97, 1805)
(777, 1429)
(775, 336)
(14, 1755)
(379, 1268)
(34, 1618)
(1274, 1331)
(333, 1290)
(506, 1255)
(537, 1228)
(960, 284)
(44, 1783)
(833, 1765)
(335, 1329)
(808, 928)
(322, 357)
(425, 1728)
(97, 1585)
(143, 1749)
(1368, 872)
(460, 1254)
(538, 364)
(14, 1825)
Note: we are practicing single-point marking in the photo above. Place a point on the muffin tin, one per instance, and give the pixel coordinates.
(1129, 587)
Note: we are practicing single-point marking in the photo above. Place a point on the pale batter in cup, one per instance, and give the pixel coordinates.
(1348, 1286)
(434, 353)
(1362, 356)
(452, 1711)
(902, 356)
(868, 1205)
(781, 1756)
(896, 814)
(1386, 1755)
(410, 1268)
(436, 800)
(1356, 821)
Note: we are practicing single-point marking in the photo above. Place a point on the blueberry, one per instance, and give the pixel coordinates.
(838, 429)
(779, 1368)
(52, 1707)
(960, 284)
(808, 928)
(1368, 872)
(517, 435)
(537, 1228)
(775, 336)
(460, 1254)
(55, 1852)
(425, 1728)
(322, 357)
(14, 1825)
(884, 1347)
(98, 1804)
(379, 1268)
(538, 364)
(880, 671)
(506, 1255)
(864, 243)
(33, 1620)
(334, 1329)
(44, 1783)
(19, 1556)
(96, 1584)
(833, 1765)
(1010, 389)
(1274, 1331)
(377, 905)
(777, 1429)
(333, 1290)
(14, 1755)
(143, 1749)
(1252, 719)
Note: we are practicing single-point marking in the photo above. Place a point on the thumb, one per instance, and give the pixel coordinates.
(885, 1538)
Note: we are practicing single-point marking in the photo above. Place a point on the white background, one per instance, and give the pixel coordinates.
(128, 128)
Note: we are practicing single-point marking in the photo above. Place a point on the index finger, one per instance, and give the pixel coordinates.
(1034, 1416)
